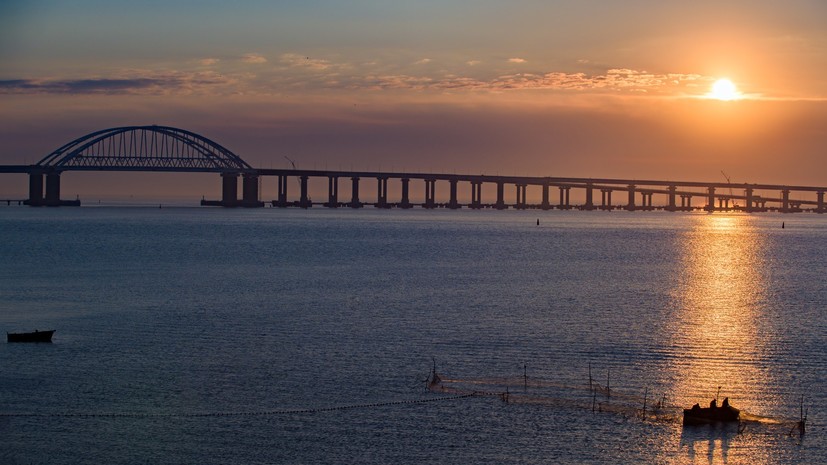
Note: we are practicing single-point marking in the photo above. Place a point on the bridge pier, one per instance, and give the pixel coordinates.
(671, 206)
(382, 193)
(631, 204)
(545, 205)
(430, 193)
(282, 194)
(710, 202)
(354, 198)
(406, 201)
(646, 200)
(35, 189)
(249, 191)
(304, 200)
(589, 200)
(521, 197)
(332, 192)
(453, 204)
(476, 195)
(500, 196)
(606, 199)
(785, 201)
(52, 190)
(229, 189)
(564, 198)
(820, 202)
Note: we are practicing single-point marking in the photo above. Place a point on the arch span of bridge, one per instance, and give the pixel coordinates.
(141, 148)
(163, 148)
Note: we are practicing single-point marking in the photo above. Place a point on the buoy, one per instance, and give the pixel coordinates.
(782, 225)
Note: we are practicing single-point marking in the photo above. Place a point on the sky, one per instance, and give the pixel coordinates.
(586, 88)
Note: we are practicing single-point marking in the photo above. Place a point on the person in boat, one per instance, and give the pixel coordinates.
(696, 407)
(725, 403)
(713, 404)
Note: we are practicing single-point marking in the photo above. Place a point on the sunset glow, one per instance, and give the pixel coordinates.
(592, 89)
(724, 89)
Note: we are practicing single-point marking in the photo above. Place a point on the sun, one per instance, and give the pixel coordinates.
(724, 89)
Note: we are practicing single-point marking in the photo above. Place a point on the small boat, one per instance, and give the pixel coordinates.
(36, 336)
(698, 415)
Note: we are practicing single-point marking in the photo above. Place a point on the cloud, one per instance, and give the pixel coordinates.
(299, 72)
(294, 60)
(614, 80)
(516, 60)
(253, 58)
(149, 83)
(473, 62)
(423, 61)
(208, 61)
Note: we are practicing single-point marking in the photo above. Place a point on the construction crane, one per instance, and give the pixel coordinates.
(294, 167)
(731, 196)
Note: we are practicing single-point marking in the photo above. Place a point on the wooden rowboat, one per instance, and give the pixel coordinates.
(698, 415)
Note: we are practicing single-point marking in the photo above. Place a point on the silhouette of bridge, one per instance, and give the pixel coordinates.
(162, 148)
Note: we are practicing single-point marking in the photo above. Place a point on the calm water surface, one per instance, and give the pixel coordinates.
(212, 336)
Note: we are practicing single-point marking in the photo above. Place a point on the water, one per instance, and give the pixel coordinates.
(189, 335)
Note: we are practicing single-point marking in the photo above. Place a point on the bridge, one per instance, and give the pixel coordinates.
(163, 148)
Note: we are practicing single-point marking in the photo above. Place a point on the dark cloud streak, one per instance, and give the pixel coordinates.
(180, 83)
(85, 86)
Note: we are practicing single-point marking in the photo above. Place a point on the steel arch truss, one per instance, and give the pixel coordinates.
(144, 148)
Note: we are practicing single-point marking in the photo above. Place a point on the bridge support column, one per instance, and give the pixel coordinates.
(750, 200)
(476, 195)
(820, 202)
(354, 197)
(589, 200)
(606, 199)
(564, 198)
(430, 193)
(521, 197)
(453, 203)
(304, 200)
(35, 190)
(332, 192)
(282, 196)
(631, 204)
(406, 201)
(500, 205)
(545, 205)
(229, 189)
(671, 206)
(52, 190)
(646, 200)
(382, 193)
(785, 201)
(710, 203)
(250, 191)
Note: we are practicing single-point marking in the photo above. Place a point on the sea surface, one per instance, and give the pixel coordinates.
(286, 336)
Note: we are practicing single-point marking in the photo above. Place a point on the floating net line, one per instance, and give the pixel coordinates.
(239, 414)
(593, 397)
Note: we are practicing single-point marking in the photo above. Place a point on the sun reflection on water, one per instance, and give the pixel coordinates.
(718, 338)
